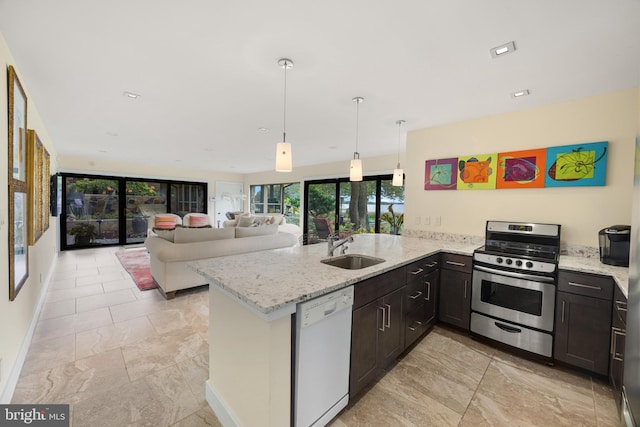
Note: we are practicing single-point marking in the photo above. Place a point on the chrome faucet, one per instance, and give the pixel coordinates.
(334, 242)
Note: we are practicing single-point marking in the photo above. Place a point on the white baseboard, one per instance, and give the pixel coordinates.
(224, 414)
(12, 381)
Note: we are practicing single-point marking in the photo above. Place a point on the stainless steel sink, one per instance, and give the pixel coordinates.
(352, 261)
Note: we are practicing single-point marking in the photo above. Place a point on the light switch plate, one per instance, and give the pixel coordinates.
(437, 220)
(427, 220)
(417, 220)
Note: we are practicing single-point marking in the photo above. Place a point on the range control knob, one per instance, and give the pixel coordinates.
(509, 261)
(519, 263)
(529, 264)
(499, 260)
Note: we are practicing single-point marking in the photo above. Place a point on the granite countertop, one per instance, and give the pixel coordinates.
(271, 283)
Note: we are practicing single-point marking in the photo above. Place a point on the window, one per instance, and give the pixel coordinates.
(106, 210)
(276, 198)
(370, 206)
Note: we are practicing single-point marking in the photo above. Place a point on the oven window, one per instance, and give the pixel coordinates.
(512, 297)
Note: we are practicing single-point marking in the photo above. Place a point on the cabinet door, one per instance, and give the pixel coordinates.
(391, 337)
(618, 333)
(431, 286)
(455, 298)
(582, 332)
(367, 320)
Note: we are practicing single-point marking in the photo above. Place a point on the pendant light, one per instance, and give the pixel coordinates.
(355, 169)
(398, 174)
(283, 149)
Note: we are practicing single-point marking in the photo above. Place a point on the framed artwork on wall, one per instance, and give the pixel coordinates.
(39, 191)
(19, 207)
(521, 169)
(576, 165)
(477, 172)
(440, 174)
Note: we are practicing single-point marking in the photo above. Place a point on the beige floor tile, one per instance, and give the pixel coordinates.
(93, 302)
(43, 355)
(118, 285)
(70, 324)
(129, 310)
(74, 381)
(113, 336)
(205, 417)
(76, 292)
(51, 310)
(195, 372)
(195, 316)
(159, 352)
(607, 411)
(100, 278)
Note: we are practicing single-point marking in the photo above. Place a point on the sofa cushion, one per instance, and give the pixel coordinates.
(164, 233)
(245, 220)
(264, 230)
(190, 235)
(276, 218)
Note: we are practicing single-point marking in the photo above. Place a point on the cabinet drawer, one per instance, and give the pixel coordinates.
(422, 267)
(378, 286)
(591, 285)
(456, 262)
(415, 293)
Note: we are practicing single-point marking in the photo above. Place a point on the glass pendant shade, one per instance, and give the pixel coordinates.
(355, 170)
(283, 157)
(398, 177)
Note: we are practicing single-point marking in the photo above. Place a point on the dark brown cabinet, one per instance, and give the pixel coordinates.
(421, 297)
(455, 290)
(583, 321)
(618, 333)
(377, 334)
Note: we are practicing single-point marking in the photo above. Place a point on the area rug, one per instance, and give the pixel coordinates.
(138, 265)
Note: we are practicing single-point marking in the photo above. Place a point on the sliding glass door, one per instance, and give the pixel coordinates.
(352, 207)
(105, 210)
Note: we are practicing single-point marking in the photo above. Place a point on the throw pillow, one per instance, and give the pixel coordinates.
(196, 220)
(164, 233)
(265, 230)
(165, 221)
(191, 235)
(245, 220)
(277, 218)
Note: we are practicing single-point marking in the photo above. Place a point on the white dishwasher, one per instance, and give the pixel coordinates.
(323, 351)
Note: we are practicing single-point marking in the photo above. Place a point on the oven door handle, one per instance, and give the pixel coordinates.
(515, 275)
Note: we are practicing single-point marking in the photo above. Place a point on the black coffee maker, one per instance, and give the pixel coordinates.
(614, 245)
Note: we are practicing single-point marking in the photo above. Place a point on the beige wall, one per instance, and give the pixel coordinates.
(16, 316)
(582, 211)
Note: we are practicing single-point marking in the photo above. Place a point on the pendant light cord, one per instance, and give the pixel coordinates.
(399, 124)
(284, 121)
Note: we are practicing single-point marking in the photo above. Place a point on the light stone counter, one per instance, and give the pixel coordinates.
(271, 283)
(593, 265)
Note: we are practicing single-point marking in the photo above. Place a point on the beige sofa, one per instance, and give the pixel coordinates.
(171, 250)
(280, 220)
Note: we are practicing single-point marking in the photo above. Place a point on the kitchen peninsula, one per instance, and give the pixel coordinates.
(252, 297)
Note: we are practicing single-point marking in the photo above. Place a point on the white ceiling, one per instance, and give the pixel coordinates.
(208, 75)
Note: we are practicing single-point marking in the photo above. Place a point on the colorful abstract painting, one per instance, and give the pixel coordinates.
(521, 169)
(477, 172)
(440, 174)
(576, 165)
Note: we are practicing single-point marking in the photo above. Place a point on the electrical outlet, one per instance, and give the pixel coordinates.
(437, 221)
(427, 220)
(417, 220)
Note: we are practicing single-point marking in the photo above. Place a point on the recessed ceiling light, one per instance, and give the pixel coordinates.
(130, 95)
(264, 129)
(102, 151)
(502, 50)
(520, 93)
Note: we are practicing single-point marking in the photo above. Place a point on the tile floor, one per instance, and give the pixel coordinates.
(122, 357)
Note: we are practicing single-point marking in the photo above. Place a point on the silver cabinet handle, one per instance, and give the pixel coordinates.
(416, 295)
(428, 298)
(433, 264)
(413, 329)
(615, 333)
(388, 325)
(581, 285)
(621, 305)
(418, 271)
(459, 264)
(562, 314)
(383, 315)
(466, 283)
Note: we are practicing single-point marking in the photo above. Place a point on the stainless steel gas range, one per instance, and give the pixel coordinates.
(514, 285)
